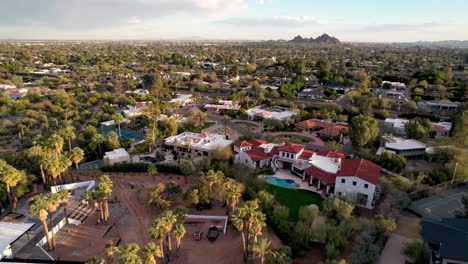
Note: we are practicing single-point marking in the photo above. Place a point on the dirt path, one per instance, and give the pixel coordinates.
(95, 110)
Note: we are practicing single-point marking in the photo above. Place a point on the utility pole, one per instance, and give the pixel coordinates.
(454, 170)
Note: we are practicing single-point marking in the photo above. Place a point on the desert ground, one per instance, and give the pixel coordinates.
(131, 218)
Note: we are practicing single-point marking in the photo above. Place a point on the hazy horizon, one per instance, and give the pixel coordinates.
(233, 20)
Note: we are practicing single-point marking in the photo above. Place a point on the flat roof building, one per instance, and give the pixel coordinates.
(189, 143)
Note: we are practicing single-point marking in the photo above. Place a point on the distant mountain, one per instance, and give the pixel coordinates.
(323, 39)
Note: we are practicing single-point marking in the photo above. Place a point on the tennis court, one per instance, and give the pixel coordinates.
(442, 205)
(126, 134)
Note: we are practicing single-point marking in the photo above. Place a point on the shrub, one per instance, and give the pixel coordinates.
(141, 167)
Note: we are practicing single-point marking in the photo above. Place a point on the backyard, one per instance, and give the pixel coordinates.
(294, 199)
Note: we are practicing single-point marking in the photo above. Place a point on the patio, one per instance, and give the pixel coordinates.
(304, 185)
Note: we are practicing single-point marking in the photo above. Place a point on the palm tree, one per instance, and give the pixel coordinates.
(151, 251)
(109, 250)
(10, 176)
(64, 164)
(178, 232)
(234, 194)
(118, 118)
(260, 248)
(153, 170)
(158, 232)
(38, 207)
(98, 140)
(77, 155)
(102, 194)
(213, 177)
(53, 201)
(64, 197)
(55, 142)
(129, 254)
(169, 219)
(239, 223)
(226, 119)
(94, 260)
(68, 133)
(38, 153)
(52, 166)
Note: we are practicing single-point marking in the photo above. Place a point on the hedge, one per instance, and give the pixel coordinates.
(142, 167)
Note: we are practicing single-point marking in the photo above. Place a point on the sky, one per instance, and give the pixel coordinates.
(348, 20)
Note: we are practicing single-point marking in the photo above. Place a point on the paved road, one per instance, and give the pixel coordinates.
(392, 253)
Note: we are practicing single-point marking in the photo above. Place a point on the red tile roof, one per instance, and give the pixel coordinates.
(257, 154)
(333, 131)
(360, 168)
(332, 154)
(437, 127)
(292, 148)
(326, 177)
(258, 142)
(243, 144)
(314, 123)
(306, 154)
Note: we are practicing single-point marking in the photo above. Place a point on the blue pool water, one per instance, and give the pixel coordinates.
(290, 184)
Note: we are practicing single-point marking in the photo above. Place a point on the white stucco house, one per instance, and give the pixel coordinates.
(329, 171)
(408, 148)
(116, 156)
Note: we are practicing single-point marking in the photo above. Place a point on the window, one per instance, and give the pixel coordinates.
(366, 185)
(343, 180)
(354, 183)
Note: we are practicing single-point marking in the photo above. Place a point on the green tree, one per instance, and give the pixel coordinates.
(77, 155)
(129, 254)
(38, 206)
(178, 232)
(280, 256)
(153, 170)
(417, 251)
(392, 162)
(150, 251)
(11, 177)
(260, 248)
(158, 232)
(418, 128)
(109, 251)
(363, 130)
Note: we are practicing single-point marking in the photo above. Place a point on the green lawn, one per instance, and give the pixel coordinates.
(292, 138)
(294, 199)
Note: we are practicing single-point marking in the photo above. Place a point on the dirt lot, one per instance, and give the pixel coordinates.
(131, 217)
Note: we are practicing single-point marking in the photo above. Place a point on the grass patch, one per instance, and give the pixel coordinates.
(294, 199)
(292, 138)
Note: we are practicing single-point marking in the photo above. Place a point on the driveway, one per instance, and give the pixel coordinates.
(392, 253)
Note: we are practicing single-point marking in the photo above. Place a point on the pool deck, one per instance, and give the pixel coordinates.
(286, 175)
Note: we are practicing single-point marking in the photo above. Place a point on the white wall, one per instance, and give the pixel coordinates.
(72, 186)
(350, 191)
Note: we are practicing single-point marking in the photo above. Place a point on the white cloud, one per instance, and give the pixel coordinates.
(134, 20)
(275, 21)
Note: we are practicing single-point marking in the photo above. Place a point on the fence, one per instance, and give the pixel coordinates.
(421, 194)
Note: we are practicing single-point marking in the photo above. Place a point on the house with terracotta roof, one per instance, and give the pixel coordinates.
(323, 128)
(327, 171)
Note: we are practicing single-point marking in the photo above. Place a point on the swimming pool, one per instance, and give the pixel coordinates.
(290, 184)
